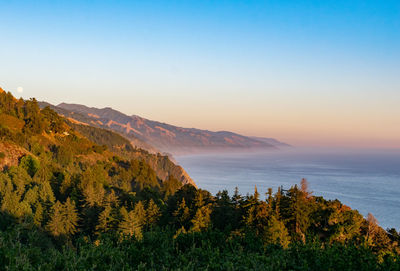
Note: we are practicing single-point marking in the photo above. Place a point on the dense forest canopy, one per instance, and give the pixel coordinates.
(69, 203)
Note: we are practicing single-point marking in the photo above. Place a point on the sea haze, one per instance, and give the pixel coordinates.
(366, 180)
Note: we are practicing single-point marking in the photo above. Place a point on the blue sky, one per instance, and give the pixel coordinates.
(308, 72)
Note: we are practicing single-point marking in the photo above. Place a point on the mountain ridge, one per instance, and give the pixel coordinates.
(166, 137)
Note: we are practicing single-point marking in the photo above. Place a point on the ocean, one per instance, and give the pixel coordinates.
(366, 180)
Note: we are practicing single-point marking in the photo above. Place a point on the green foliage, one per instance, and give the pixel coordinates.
(277, 233)
(54, 123)
(73, 202)
(30, 164)
(104, 138)
(133, 221)
(22, 249)
(64, 219)
(152, 214)
(170, 186)
(63, 154)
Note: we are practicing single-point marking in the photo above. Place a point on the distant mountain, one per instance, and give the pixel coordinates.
(272, 141)
(165, 137)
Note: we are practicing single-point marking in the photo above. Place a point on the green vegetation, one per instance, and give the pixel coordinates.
(106, 139)
(71, 204)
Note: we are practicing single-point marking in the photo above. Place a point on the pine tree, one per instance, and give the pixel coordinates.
(92, 185)
(372, 227)
(182, 213)
(111, 199)
(256, 194)
(66, 183)
(152, 213)
(296, 211)
(105, 219)
(55, 225)
(277, 233)
(70, 217)
(64, 219)
(46, 193)
(236, 198)
(131, 223)
(43, 174)
(199, 199)
(250, 217)
(277, 201)
(304, 188)
(94, 194)
(201, 219)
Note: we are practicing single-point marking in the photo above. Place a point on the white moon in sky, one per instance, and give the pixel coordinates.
(20, 89)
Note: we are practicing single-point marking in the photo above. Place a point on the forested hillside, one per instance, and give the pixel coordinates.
(67, 203)
(122, 145)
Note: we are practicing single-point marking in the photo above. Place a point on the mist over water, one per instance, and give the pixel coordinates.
(366, 180)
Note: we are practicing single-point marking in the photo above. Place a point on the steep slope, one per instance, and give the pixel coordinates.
(161, 164)
(92, 120)
(166, 137)
(25, 129)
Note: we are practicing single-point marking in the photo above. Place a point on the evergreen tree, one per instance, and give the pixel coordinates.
(297, 212)
(182, 214)
(236, 198)
(46, 193)
(152, 213)
(277, 233)
(63, 219)
(345, 224)
(70, 216)
(201, 219)
(225, 215)
(32, 195)
(92, 185)
(56, 223)
(132, 222)
(105, 219)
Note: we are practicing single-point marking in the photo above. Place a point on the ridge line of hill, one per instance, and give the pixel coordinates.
(166, 137)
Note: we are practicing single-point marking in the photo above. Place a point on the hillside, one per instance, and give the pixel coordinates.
(165, 137)
(272, 141)
(161, 164)
(27, 130)
(83, 118)
(76, 197)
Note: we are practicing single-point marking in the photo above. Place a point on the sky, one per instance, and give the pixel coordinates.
(310, 73)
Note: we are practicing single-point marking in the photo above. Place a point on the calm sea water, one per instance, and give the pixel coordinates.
(368, 181)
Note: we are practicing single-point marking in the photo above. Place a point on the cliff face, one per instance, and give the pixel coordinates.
(164, 168)
(166, 137)
(161, 164)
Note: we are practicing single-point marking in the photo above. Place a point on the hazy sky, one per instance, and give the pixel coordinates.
(305, 72)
